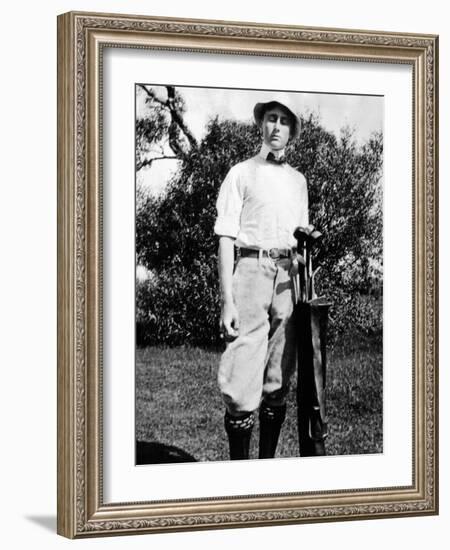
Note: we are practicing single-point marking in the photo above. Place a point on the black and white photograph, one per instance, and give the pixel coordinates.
(259, 274)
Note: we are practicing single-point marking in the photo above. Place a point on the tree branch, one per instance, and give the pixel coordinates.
(148, 162)
(176, 127)
(152, 95)
(177, 117)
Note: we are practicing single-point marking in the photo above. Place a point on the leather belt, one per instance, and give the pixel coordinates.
(273, 253)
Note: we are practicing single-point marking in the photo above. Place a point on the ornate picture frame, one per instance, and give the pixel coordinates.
(82, 39)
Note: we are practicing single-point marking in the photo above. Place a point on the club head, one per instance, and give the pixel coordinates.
(301, 234)
(315, 235)
(313, 238)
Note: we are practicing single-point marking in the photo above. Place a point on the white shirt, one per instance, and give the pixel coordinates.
(261, 203)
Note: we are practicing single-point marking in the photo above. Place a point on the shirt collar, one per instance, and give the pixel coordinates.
(265, 150)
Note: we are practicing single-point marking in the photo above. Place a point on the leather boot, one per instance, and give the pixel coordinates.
(270, 421)
(239, 431)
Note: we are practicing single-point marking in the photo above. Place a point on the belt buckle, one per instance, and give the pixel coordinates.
(274, 253)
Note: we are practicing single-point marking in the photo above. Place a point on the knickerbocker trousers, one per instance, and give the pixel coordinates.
(260, 361)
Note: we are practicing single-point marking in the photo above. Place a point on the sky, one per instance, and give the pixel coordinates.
(363, 114)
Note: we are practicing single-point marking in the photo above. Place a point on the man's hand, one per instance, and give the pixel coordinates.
(229, 321)
(229, 318)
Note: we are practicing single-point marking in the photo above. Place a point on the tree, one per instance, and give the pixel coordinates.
(345, 202)
(175, 239)
(163, 127)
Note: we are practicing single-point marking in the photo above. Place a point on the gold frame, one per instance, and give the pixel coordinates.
(81, 37)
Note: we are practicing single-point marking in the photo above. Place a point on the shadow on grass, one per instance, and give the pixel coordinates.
(151, 452)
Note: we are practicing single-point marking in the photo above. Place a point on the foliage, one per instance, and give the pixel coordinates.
(157, 129)
(180, 223)
(179, 305)
(175, 239)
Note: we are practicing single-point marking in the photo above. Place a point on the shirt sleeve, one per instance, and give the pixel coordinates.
(304, 213)
(229, 205)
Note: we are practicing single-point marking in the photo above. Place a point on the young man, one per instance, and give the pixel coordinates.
(261, 202)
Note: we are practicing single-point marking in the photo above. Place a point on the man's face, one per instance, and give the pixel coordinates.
(276, 128)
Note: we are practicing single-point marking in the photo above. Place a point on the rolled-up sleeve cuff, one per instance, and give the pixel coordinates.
(226, 227)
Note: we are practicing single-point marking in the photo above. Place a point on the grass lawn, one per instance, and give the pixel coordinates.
(179, 411)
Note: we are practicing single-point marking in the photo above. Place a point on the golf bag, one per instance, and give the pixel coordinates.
(311, 316)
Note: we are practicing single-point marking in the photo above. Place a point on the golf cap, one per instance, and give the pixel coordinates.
(260, 109)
